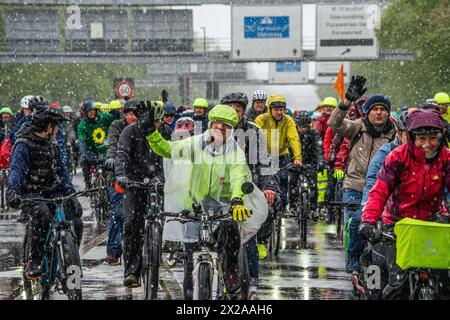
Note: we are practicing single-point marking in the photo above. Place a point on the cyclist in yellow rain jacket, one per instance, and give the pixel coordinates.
(280, 131)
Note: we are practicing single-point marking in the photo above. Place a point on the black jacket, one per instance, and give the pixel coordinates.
(255, 148)
(114, 132)
(134, 157)
(312, 148)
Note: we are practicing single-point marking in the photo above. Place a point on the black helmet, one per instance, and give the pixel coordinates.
(38, 102)
(44, 116)
(303, 119)
(130, 105)
(401, 124)
(88, 105)
(235, 97)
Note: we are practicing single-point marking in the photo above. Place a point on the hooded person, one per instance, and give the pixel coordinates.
(200, 114)
(209, 169)
(411, 185)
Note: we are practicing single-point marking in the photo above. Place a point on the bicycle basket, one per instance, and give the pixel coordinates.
(422, 244)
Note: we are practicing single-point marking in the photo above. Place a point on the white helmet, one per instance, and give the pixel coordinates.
(24, 102)
(67, 109)
(259, 95)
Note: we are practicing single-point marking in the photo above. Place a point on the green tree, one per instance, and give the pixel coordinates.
(419, 26)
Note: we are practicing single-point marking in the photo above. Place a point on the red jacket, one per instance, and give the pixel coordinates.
(329, 135)
(341, 157)
(407, 186)
(322, 125)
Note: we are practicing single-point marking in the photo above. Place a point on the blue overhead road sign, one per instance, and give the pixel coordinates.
(266, 27)
(288, 66)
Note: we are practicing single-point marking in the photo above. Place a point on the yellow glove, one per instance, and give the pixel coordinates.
(338, 174)
(239, 211)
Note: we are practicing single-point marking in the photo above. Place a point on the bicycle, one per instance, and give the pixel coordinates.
(208, 275)
(4, 186)
(302, 207)
(152, 247)
(276, 222)
(61, 267)
(99, 200)
(337, 208)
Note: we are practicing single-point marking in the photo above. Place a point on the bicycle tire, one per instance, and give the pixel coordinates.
(71, 258)
(244, 273)
(3, 191)
(277, 222)
(152, 252)
(303, 220)
(204, 282)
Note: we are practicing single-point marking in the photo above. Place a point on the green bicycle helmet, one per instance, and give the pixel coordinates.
(225, 114)
(6, 110)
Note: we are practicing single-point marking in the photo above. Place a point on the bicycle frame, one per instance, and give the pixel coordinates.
(207, 254)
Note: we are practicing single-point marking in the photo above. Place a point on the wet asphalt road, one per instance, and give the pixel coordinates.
(299, 274)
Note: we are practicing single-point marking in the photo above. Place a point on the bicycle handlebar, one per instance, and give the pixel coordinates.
(351, 206)
(59, 200)
(191, 217)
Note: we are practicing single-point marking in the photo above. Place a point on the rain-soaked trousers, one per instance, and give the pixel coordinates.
(356, 245)
(115, 223)
(134, 207)
(229, 242)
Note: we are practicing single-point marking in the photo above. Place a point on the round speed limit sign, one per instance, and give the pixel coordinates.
(124, 89)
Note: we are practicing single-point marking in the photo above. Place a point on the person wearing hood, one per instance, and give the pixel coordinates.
(253, 142)
(281, 132)
(366, 136)
(259, 98)
(328, 105)
(217, 171)
(200, 106)
(410, 185)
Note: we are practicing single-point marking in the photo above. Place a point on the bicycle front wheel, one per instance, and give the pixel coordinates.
(72, 267)
(205, 282)
(151, 259)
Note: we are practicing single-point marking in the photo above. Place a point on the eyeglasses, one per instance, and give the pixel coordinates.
(219, 124)
(170, 115)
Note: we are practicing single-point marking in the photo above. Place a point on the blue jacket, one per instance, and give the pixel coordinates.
(60, 138)
(20, 161)
(375, 166)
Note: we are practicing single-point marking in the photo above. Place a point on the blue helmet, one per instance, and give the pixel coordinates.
(169, 108)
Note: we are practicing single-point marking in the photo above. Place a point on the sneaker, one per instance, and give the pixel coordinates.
(315, 215)
(131, 281)
(172, 260)
(352, 264)
(262, 251)
(34, 270)
(112, 261)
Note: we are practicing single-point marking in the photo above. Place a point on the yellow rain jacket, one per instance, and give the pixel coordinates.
(287, 133)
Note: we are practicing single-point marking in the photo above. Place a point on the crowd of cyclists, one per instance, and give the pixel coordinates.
(392, 165)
